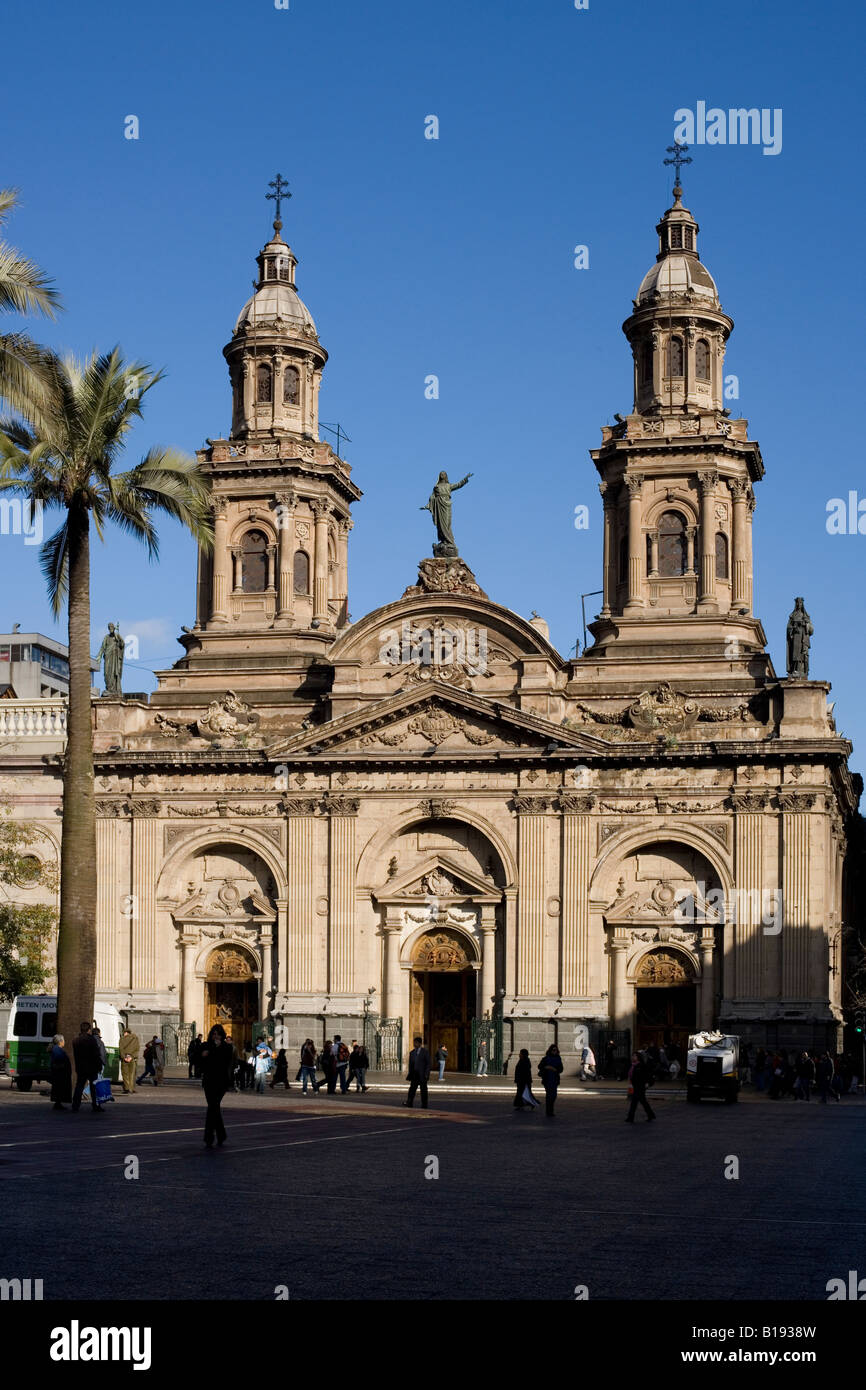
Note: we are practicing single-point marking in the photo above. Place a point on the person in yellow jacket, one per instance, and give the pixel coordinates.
(128, 1048)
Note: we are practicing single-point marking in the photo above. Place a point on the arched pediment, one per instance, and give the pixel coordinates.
(509, 637)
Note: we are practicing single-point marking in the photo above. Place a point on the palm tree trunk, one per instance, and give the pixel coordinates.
(76, 944)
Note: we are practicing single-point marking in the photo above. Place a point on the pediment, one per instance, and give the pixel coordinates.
(441, 877)
(418, 722)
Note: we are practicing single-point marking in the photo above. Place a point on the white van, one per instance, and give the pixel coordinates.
(33, 1024)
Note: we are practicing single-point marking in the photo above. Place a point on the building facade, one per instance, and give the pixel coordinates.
(429, 820)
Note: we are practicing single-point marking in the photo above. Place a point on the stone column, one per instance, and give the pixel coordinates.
(607, 498)
(487, 981)
(796, 852)
(342, 811)
(145, 865)
(634, 483)
(267, 942)
(690, 550)
(747, 958)
(189, 991)
(219, 610)
(286, 502)
(620, 1002)
(575, 860)
(345, 527)
(272, 555)
(657, 366)
(282, 943)
(531, 812)
(321, 511)
(395, 1005)
(111, 903)
(301, 959)
(750, 505)
(707, 594)
(739, 568)
(654, 552)
(707, 979)
(237, 569)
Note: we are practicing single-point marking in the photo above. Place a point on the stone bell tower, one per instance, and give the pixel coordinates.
(273, 593)
(677, 478)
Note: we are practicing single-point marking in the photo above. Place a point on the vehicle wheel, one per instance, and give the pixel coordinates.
(731, 1098)
(693, 1095)
(24, 1083)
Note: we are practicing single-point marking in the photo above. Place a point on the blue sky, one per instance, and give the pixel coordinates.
(455, 257)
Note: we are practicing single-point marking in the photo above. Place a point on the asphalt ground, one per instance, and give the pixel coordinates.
(328, 1197)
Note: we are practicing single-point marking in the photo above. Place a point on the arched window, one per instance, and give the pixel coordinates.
(721, 555)
(283, 267)
(676, 237)
(672, 544)
(291, 386)
(263, 385)
(254, 562)
(702, 360)
(675, 357)
(302, 572)
(649, 555)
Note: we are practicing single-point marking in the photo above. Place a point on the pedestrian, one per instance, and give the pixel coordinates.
(482, 1059)
(441, 1058)
(638, 1079)
(217, 1059)
(191, 1054)
(550, 1070)
(328, 1063)
(610, 1060)
(129, 1048)
(805, 1076)
(524, 1099)
(419, 1073)
(745, 1064)
(587, 1065)
(341, 1058)
(309, 1058)
(361, 1065)
(196, 1066)
(88, 1064)
(837, 1085)
(158, 1060)
(824, 1077)
(353, 1065)
(760, 1069)
(103, 1055)
(262, 1065)
(61, 1072)
(281, 1071)
(149, 1069)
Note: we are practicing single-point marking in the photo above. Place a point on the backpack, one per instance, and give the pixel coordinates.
(343, 1054)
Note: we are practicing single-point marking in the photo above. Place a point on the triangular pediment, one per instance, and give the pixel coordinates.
(419, 722)
(442, 877)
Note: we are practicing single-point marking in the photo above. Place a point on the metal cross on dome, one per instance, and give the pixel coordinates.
(281, 191)
(678, 152)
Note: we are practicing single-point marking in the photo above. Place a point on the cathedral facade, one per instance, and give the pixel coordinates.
(428, 821)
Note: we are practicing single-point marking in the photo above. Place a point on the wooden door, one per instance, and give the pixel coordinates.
(233, 1003)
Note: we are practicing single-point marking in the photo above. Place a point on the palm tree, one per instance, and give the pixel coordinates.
(24, 289)
(64, 460)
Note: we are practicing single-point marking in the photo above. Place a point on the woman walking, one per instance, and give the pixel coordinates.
(281, 1071)
(329, 1066)
(550, 1070)
(61, 1073)
(524, 1099)
(309, 1058)
(638, 1080)
(217, 1066)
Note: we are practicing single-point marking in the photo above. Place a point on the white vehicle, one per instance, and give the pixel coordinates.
(713, 1067)
(33, 1024)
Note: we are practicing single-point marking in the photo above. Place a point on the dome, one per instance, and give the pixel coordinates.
(277, 300)
(678, 275)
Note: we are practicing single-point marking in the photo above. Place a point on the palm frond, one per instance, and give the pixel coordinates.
(54, 563)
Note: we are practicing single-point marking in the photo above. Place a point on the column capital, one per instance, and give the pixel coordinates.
(709, 481)
(739, 489)
(533, 805)
(287, 499)
(337, 805)
(634, 483)
(321, 508)
(573, 805)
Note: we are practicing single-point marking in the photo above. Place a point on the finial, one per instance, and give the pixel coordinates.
(678, 151)
(280, 188)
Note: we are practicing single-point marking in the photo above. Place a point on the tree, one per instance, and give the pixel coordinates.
(63, 459)
(25, 928)
(24, 289)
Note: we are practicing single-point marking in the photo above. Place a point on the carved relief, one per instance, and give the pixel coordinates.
(663, 710)
(440, 950)
(664, 968)
(227, 716)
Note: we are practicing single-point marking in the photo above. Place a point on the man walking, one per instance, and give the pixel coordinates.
(419, 1073)
(341, 1057)
(129, 1048)
(148, 1065)
(482, 1059)
(217, 1066)
(638, 1079)
(158, 1059)
(309, 1057)
(88, 1065)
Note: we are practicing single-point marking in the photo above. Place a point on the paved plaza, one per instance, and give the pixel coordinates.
(331, 1194)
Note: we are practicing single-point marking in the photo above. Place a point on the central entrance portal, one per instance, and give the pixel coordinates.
(232, 995)
(443, 998)
(665, 1000)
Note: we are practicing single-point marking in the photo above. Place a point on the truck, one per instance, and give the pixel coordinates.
(713, 1066)
(31, 1028)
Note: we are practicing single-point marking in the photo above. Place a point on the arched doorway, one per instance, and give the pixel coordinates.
(442, 996)
(232, 994)
(665, 999)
